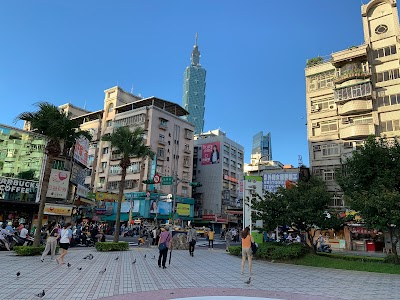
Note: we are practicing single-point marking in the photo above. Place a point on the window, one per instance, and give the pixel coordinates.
(110, 107)
(160, 152)
(239, 165)
(161, 138)
(389, 100)
(233, 174)
(329, 175)
(104, 165)
(226, 149)
(352, 92)
(330, 150)
(90, 159)
(233, 164)
(392, 125)
(134, 168)
(387, 75)
(93, 145)
(105, 150)
(133, 120)
(109, 123)
(233, 152)
(163, 122)
(321, 81)
(225, 172)
(329, 126)
(240, 154)
(322, 104)
(386, 51)
(184, 191)
(367, 119)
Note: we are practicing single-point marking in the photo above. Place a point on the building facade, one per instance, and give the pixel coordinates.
(261, 149)
(353, 94)
(194, 91)
(218, 166)
(167, 134)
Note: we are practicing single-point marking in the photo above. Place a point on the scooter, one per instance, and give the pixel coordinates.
(324, 248)
(129, 233)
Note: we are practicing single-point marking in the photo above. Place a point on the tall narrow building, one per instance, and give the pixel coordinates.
(354, 93)
(261, 149)
(194, 88)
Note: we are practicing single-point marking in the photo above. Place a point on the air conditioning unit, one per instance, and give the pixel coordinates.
(345, 120)
(317, 107)
(317, 148)
(348, 144)
(332, 106)
(315, 125)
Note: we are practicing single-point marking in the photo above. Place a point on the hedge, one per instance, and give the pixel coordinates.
(30, 250)
(356, 258)
(274, 251)
(108, 246)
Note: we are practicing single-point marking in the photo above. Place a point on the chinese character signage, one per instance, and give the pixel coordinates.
(274, 180)
(108, 197)
(78, 174)
(58, 184)
(81, 150)
(18, 189)
(210, 153)
(58, 210)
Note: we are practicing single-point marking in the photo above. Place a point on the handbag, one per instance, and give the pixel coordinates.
(162, 246)
(193, 242)
(254, 248)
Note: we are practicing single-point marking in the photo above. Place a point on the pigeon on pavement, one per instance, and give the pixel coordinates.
(103, 271)
(145, 256)
(18, 273)
(154, 257)
(248, 281)
(40, 295)
(79, 268)
(134, 261)
(117, 258)
(68, 265)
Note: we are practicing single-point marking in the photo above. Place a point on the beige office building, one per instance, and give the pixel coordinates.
(168, 135)
(354, 93)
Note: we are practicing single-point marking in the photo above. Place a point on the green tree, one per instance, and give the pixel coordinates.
(61, 133)
(370, 180)
(304, 206)
(28, 175)
(130, 145)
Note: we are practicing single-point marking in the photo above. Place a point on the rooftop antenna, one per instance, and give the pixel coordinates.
(197, 36)
(300, 160)
(84, 106)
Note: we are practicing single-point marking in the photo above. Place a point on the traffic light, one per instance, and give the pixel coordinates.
(195, 184)
(148, 181)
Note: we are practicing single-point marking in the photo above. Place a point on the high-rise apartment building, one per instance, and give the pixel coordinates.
(194, 91)
(261, 149)
(218, 166)
(354, 93)
(168, 135)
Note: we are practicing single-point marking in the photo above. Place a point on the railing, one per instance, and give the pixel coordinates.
(353, 74)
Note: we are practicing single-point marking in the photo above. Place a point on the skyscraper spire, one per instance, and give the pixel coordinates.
(196, 53)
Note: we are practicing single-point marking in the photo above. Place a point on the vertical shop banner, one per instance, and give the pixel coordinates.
(210, 153)
(183, 209)
(81, 150)
(58, 184)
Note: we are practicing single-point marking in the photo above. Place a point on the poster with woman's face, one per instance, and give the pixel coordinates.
(210, 153)
(153, 207)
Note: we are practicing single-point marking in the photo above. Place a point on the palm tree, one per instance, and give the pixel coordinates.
(61, 133)
(130, 145)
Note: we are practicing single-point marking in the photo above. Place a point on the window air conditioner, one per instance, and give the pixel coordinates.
(345, 120)
(332, 106)
(317, 148)
(317, 107)
(348, 144)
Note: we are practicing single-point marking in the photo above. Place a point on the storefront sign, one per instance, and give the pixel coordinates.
(82, 191)
(107, 197)
(57, 210)
(274, 180)
(81, 150)
(183, 209)
(231, 179)
(58, 184)
(14, 185)
(78, 174)
(135, 195)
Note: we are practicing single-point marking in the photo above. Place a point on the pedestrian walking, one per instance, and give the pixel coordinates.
(66, 236)
(210, 239)
(3, 236)
(192, 239)
(228, 239)
(51, 241)
(163, 244)
(247, 239)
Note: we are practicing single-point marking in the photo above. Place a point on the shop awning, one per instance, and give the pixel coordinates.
(124, 217)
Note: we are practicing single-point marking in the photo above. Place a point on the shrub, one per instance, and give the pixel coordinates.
(30, 250)
(389, 259)
(235, 250)
(108, 246)
(353, 257)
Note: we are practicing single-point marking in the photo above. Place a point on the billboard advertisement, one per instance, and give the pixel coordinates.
(81, 150)
(278, 179)
(58, 184)
(183, 209)
(153, 207)
(210, 153)
(252, 186)
(164, 208)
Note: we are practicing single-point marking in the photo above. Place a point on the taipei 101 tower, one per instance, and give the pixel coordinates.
(194, 88)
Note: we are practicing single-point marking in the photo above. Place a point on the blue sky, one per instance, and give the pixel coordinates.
(254, 53)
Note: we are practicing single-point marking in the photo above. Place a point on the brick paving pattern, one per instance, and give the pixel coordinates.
(207, 273)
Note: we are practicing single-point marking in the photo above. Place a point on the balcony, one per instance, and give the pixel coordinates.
(356, 131)
(162, 142)
(353, 74)
(349, 54)
(356, 91)
(188, 151)
(186, 164)
(163, 126)
(354, 107)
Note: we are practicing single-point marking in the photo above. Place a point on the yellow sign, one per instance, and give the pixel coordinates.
(183, 209)
(58, 210)
(108, 197)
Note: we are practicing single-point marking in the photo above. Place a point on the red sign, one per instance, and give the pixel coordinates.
(157, 178)
(232, 179)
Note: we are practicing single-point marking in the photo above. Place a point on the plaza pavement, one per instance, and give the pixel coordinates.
(208, 273)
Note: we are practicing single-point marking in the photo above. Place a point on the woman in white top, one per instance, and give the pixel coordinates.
(65, 235)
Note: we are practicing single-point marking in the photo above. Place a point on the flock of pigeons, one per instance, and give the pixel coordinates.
(90, 257)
